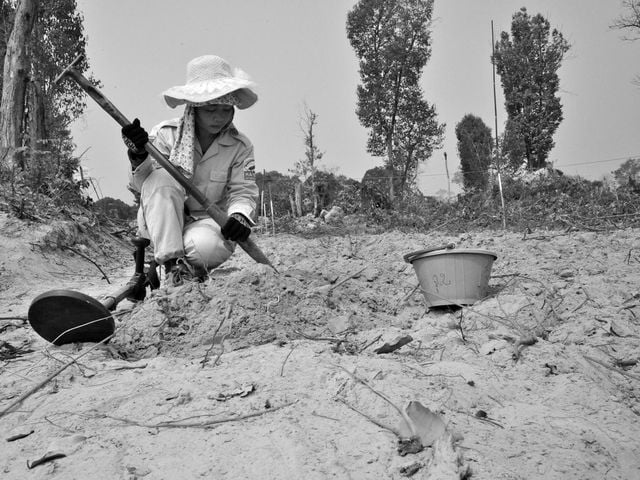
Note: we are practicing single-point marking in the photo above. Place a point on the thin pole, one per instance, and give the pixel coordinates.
(495, 103)
(263, 205)
(446, 167)
(94, 188)
(273, 219)
(495, 117)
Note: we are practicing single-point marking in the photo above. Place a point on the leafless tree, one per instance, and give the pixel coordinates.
(630, 23)
(308, 167)
(630, 20)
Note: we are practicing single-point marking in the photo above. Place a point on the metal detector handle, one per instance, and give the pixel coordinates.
(212, 210)
(140, 244)
(111, 302)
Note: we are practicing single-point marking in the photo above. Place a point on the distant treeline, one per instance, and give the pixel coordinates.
(115, 208)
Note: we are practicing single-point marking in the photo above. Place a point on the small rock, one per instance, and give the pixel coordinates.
(566, 273)
(335, 215)
(19, 432)
(338, 324)
(370, 274)
(411, 469)
(137, 471)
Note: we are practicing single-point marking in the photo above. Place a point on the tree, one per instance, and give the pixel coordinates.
(348, 196)
(275, 189)
(115, 208)
(308, 167)
(474, 148)
(630, 20)
(627, 173)
(7, 14)
(35, 112)
(58, 39)
(324, 190)
(417, 136)
(392, 41)
(15, 75)
(374, 191)
(528, 62)
(55, 39)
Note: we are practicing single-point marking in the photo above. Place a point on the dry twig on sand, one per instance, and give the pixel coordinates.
(327, 289)
(406, 298)
(21, 318)
(37, 387)
(224, 337)
(371, 419)
(319, 339)
(333, 287)
(370, 343)
(611, 367)
(81, 367)
(403, 414)
(182, 423)
(89, 260)
(73, 361)
(227, 314)
(285, 360)
(341, 345)
(464, 340)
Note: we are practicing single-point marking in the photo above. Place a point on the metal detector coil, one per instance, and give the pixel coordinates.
(65, 316)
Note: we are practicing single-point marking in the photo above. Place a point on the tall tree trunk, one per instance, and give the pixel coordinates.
(15, 77)
(36, 115)
(312, 163)
(298, 193)
(292, 203)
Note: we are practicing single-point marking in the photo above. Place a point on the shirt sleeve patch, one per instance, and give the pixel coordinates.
(250, 172)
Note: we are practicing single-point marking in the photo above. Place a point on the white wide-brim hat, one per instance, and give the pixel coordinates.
(210, 77)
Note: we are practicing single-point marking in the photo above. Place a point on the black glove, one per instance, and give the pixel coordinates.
(237, 228)
(135, 138)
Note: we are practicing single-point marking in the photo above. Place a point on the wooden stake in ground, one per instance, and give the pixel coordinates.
(495, 114)
(446, 167)
(273, 219)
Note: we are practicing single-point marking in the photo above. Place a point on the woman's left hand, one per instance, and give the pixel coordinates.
(237, 228)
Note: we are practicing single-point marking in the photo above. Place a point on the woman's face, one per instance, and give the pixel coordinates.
(213, 118)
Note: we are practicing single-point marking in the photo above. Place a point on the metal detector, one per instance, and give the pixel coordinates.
(67, 316)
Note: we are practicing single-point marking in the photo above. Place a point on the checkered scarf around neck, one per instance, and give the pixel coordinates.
(182, 153)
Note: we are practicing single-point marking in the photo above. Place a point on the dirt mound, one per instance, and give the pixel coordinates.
(254, 374)
(250, 304)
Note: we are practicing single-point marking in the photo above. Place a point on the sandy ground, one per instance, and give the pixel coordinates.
(254, 375)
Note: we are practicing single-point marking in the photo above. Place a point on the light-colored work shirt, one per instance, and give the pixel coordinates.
(225, 173)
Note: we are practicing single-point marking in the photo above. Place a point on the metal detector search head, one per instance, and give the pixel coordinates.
(65, 316)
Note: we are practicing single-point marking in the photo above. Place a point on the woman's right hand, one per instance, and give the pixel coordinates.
(135, 137)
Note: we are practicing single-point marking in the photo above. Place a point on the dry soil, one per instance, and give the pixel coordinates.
(258, 375)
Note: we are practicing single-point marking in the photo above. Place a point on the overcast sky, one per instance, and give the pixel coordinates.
(297, 52)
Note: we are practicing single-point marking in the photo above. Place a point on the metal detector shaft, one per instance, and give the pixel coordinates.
(112, 301)
(219, 216)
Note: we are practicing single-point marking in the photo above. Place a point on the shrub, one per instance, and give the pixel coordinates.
(42, 186)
